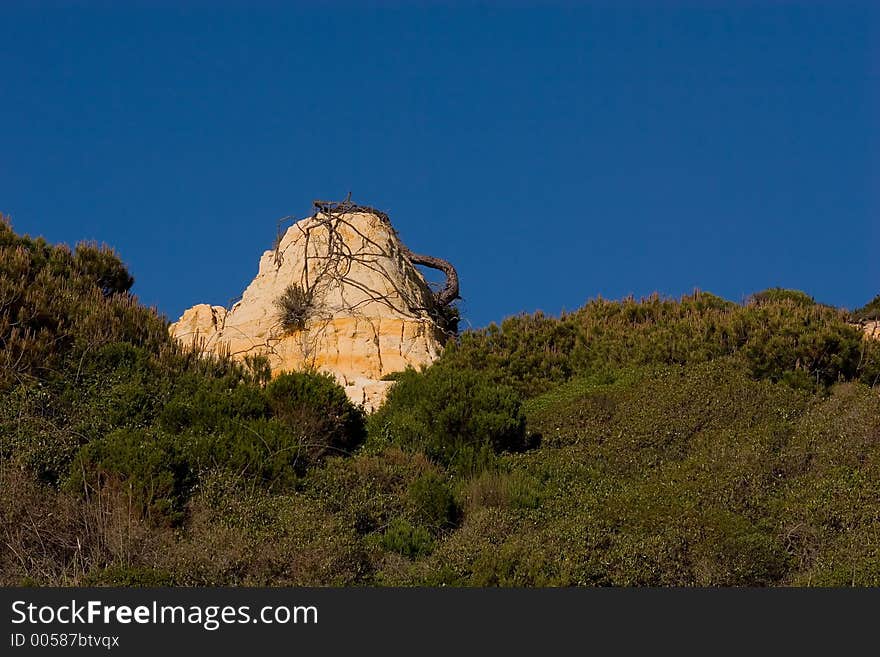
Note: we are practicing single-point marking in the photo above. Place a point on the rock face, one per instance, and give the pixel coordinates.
(364, 310)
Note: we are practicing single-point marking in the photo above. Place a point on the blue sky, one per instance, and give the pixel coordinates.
(553, 154)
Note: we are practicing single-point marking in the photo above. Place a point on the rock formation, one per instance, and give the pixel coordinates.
(356, 306)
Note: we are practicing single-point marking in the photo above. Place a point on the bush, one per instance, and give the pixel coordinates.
(458, 418)
(52, 538)
(237, 534)
(432, 502)
(775, 295)
(153, 465)
(821, 352)
(57, 308)
(103, 266)
(315, 407)
(409, 540)
(501, 489)
(369, 489)
(294, 308)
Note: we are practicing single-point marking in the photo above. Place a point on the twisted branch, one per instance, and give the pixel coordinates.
(450, 290)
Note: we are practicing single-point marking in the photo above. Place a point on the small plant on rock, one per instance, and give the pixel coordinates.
(294, 308)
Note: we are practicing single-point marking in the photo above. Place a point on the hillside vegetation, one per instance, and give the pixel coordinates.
(635, 442)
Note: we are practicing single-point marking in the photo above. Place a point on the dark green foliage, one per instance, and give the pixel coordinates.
(315, 408)
(294, 308)
(432, 502)
(459, 418)
(406, 539)
(238, 533)
(57, 307)
(370, 489)
(269, 435)
(102, 265)
(94, 390)
(679, 476)
(818, 352)
(151, 464)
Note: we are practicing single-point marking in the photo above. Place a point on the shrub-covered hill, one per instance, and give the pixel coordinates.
(666, 442)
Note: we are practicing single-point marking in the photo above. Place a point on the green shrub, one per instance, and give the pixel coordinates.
(34, 435)
(369, 489)
(827, 509)
(775, 295)
(153, 465)
(407, 539)
(458, 418)
(237, 534)
(318, 412)
(784, 332)
(58, 307)
(103, 266)
(294, 308)
(501, 489)
(432, 502)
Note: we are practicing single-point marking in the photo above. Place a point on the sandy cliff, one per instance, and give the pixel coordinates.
(369, 311)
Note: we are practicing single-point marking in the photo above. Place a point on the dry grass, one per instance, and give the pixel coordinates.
(59, 539)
